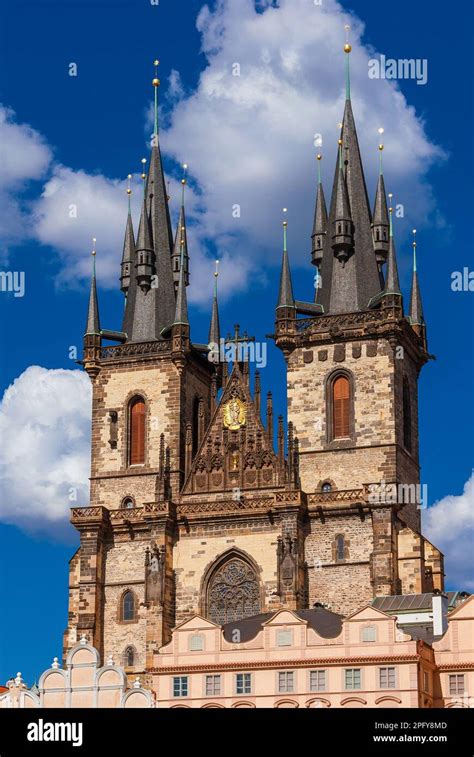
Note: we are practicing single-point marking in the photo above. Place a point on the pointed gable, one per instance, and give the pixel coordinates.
(236, 451)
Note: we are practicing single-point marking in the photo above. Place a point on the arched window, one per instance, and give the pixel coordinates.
(128, 503)
(340, 548)
(326, 487)
(137, 431)
(128, 606)
(129, 657)
(233, 592)
(406, 415)
(341, 397)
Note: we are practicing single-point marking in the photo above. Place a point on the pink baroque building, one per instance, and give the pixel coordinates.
(306, 658)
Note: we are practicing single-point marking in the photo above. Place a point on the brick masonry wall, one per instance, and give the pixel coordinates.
(124, 569)
(194, 553)
(345, 586)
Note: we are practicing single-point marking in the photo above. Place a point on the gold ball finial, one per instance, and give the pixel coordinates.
(339, 142)
(347, 48)
(183, 181)
(156, 62)
(129, 191)
(380, 147)
(319, 156)
(156, 82)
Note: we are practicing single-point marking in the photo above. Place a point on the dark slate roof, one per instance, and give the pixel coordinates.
(416, 305)
(129, 243)
(181, 312)
(93, 321)
(392, 282)
(285, 296)
(320, 212)
(410, 602)
(380, 207)
(148, 313)
(181, 236)
(327, 624)
(419, 631)
(144, 240)
(215, 329)
(351, 287)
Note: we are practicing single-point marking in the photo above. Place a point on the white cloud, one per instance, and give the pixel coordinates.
(24, 157)
(249, 141)
(449, 524)
(45, 454)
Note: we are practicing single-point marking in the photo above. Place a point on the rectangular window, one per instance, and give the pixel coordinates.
(243, 683)
(317, 680)
(387, 678)
(284, 638)
(456, 685)
(369, 633)
(213, 686)
(286, 682)
(352, 678)
(180, 686)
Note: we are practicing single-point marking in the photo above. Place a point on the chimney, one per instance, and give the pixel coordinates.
(440, 613)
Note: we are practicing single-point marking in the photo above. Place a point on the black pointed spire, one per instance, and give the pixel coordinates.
(392, 282)
(215, 329)
(349, 288)
(181, 311)
(285, 296)
(320, 224)
(380, 223)
(417, 317)
(148, 314)
(93, 320)
(342, 236)
(128, 256)
(181, 241)
(144, 264)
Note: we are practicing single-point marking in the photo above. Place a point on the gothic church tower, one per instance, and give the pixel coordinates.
(197, 506)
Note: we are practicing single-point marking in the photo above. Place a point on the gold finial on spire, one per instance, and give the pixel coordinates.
(129, 179)
(156, 81)
(347, 46)
(381, 131)
(216, 272)
(143, 174)
(94, 253)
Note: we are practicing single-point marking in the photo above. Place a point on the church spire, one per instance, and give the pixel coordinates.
(144, 265)
(181, 312)
(285, 297)
(128, 256)
(342, 238)
(215, 329)
(350, 276)
(380, 223)
(151, 299)
(392, 283)
(416, 306)
(181, 240)
(320, 224)
(93, 321)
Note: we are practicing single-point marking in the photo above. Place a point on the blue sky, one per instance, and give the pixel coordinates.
(91, 130)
